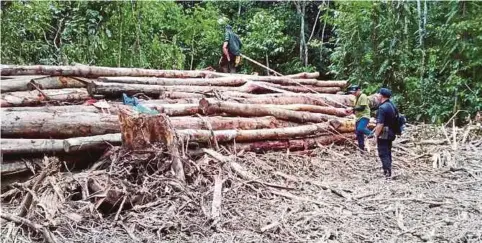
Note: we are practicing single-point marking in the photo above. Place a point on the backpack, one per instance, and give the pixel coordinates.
(399, 122)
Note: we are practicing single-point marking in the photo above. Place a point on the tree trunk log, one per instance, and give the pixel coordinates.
(231, 80)
(291, 144)
(304, 75)
(17, 166)
(308, 89)
(338, 101)
(205, 136)
(28, 146)
(91, 143)
(228, 81)
(217, 107)
(55, 83)
(77, 124)
(329, 110)
(168, 109)
(16, 83)
(116, 89)
(34, 97)
(294, 82)
(93, 72)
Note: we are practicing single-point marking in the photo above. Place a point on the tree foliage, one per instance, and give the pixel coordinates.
(428, 53)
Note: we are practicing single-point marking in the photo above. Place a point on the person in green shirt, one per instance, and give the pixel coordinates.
(231, 57)
(362, 114)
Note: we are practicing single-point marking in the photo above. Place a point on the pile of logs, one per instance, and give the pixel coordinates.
(70, 109)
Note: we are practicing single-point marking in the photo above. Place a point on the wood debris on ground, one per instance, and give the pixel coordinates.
(228, 158)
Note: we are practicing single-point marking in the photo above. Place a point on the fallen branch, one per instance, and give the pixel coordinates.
(48, 236)
(217, 197)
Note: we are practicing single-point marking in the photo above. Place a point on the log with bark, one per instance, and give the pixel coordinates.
(98, 142)
(16, 83)
(18, 166)
(93, 71)
(291, 144)
(308, 89)
(55, 83)
(117, 89)
(28, 146)
(77, 124)
(206, 136)
(224, 81)
(168, 109)
(329, 110)
(285, 80)
(35, 97)
(299, 82)
(339, 101)
(208, 107)
(304, 75)
(227, 81)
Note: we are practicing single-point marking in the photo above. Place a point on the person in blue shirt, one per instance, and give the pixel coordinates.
(385, 129)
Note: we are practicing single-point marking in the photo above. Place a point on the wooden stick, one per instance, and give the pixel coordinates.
(261, 65)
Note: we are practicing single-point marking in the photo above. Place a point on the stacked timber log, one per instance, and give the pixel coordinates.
(75, 109)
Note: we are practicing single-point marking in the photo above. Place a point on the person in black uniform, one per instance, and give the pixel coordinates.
(385, 131)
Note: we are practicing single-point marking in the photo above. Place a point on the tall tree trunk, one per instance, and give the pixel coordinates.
(301, 7)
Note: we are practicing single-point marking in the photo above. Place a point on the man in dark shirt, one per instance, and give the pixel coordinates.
(384, 131)
(231, 51)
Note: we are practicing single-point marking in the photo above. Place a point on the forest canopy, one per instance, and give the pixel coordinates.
(428, 53)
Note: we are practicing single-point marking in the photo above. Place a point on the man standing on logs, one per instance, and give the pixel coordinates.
(231, 51)
(385, 131)
(362, 113)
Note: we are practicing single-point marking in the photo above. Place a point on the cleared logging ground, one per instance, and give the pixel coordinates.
(331, 194)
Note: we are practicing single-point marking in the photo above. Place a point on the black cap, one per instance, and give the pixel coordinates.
(385, 92)
(353, 88)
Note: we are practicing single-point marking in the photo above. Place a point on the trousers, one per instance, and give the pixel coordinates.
(385, 154)
(362, 130)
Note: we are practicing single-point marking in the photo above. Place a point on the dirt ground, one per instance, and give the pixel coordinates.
(331, 194)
